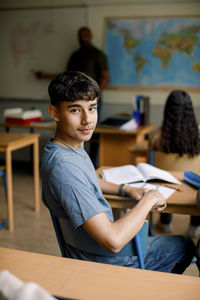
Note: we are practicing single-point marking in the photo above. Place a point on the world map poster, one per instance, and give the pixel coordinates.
(153, 52)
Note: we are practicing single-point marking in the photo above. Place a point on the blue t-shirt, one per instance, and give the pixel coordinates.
(71, 189)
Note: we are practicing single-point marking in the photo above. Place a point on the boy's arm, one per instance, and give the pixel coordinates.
(113, 236)
(113, 189)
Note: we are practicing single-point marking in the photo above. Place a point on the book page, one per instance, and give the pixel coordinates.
(150, 172)
(165, 191)
(122, 174)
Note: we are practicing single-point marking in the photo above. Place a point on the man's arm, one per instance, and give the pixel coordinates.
(104, 79)
(113, 236)
(102, 63)
(42, 75)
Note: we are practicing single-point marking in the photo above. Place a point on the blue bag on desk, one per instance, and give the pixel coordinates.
(192, 179)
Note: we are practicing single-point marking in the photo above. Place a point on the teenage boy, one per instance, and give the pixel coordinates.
(72, 190)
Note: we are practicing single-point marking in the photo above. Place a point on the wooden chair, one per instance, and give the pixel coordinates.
(66, 234)
(139, 152)
(174, 162)
(3, 175)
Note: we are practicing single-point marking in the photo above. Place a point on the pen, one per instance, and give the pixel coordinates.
(172, 187)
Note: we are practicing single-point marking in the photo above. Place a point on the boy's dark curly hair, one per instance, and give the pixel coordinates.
(180, 132)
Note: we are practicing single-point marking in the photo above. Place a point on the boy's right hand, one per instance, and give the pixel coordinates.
(157, 198)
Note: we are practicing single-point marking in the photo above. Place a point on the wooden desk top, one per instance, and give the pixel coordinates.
(109, 130)
(16, 140)
(86, 280)
(7, 138)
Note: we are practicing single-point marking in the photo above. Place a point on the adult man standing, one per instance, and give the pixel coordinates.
(89, 60)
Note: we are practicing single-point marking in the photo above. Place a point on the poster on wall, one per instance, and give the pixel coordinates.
(156, 52)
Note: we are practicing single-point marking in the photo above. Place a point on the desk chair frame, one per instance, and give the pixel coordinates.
(65, 235)
(3, 175)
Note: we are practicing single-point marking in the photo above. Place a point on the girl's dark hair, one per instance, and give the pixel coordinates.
(72, 86)
(180, 132)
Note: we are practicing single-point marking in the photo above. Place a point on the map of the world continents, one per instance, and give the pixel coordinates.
(153, 51)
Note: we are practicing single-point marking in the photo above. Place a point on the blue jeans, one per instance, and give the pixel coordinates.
(168, 254)
(165, 254)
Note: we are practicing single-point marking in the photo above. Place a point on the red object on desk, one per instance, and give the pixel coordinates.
(23, 121)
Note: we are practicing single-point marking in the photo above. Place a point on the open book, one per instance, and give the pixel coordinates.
(141, 172)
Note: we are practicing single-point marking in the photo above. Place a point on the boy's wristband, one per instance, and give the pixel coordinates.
(121, 191)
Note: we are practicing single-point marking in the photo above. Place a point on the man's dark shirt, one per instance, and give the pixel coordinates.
(90, 61)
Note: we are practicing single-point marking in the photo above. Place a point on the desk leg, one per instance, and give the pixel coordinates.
(9, 189)
(36, 174)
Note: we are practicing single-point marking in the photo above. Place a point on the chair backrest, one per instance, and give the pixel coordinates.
(66, 234)
(174, 162)
(198, 255)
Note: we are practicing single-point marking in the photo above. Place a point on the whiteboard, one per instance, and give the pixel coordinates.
(32, 40)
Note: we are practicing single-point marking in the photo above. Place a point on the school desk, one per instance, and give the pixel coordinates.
(180, 202)
(14, 141)
(114, 144)
(78, 279)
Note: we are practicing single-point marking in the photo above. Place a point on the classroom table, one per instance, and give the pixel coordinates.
(78, 279)
(180, 202)
(14, 141)
(114, 144)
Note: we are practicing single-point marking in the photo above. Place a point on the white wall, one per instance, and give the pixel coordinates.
(33, 40)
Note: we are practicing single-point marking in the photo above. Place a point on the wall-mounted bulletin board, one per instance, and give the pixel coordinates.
(36, 39)
(160, 52)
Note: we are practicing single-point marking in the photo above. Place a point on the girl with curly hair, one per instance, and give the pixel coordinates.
(179, 133)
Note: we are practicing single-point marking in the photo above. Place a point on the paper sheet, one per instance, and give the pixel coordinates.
(165, 191)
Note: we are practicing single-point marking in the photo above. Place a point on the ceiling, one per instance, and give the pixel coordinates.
(6, 4)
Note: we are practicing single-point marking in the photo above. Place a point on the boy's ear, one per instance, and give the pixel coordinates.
(53, 111)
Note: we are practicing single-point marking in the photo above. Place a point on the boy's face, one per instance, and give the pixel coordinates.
(76, 121)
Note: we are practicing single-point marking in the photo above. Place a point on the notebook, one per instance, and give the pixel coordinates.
(142, 172)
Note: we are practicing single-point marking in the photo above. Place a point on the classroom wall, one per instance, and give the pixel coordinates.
(32, 40)
(25, 86)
